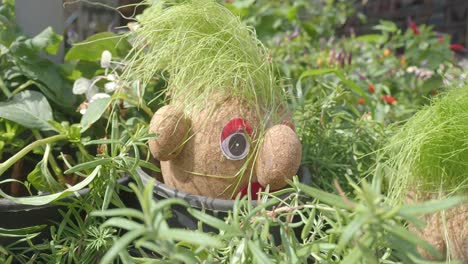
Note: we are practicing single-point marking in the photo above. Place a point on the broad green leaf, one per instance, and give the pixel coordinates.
(46, 199)
(47, 40)
(29, 109)
(92, 48)
(95, 110)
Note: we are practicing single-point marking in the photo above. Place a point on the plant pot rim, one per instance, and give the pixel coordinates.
(203, 202)
(11, 206)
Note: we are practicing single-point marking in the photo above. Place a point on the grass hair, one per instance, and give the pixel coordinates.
(200, 48)
(430, 152)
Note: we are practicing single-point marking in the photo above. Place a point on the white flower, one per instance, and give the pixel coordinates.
(110, 77)
(133, 26)
(110, 87)
(106, 58)
(81, 85)
(83, 111)
(92, 90)
(98, 96)
(411, 69)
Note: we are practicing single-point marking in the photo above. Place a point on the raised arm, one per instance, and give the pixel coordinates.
(171, 128)
(279, 158)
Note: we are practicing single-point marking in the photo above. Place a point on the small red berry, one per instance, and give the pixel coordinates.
(389, 99)
(414, 27)
(371, 88)
(361, 101)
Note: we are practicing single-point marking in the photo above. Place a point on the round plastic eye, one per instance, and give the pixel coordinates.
(234, 139)
(236, 146)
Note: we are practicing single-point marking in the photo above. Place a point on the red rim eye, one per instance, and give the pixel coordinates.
(234, 140)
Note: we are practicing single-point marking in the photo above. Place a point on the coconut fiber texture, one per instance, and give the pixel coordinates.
(428, 159)
(222, 126)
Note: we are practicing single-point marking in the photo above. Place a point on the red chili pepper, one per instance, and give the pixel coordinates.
(389, 99)
(414, 27)
(371, 88)
(457, 47)
(361, 101)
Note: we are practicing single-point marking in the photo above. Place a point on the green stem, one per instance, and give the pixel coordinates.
(22, 87)
(5, 89)
(9, 162)
(145, 108)
(52, 160)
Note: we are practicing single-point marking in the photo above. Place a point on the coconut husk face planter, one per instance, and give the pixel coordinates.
(428, 159)
(447, 231)
(226, 125)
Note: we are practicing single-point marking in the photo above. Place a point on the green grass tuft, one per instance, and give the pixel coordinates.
(430, 152)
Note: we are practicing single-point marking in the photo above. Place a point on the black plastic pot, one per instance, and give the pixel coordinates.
(215, 207)
(15, 216)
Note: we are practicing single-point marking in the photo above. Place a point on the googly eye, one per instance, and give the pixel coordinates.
(234, 142)
(236, 146)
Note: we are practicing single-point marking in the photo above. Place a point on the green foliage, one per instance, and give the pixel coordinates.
(92, 48)
(308, 225)
(29, 109)
(345, 93)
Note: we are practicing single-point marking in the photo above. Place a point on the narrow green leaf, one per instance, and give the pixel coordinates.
(46, 199)
(192, 237)
(19, 232)
(432, 206)
(369, 38)
(214, 222)
(122, 223)
(258, 255)
(89, 165)
(410, 237)
(121, 244)
(350, 231)
(124, 212)
(328, 198)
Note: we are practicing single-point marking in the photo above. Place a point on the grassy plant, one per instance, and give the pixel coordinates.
(430, 151)
(308, 225)
(202, 49)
